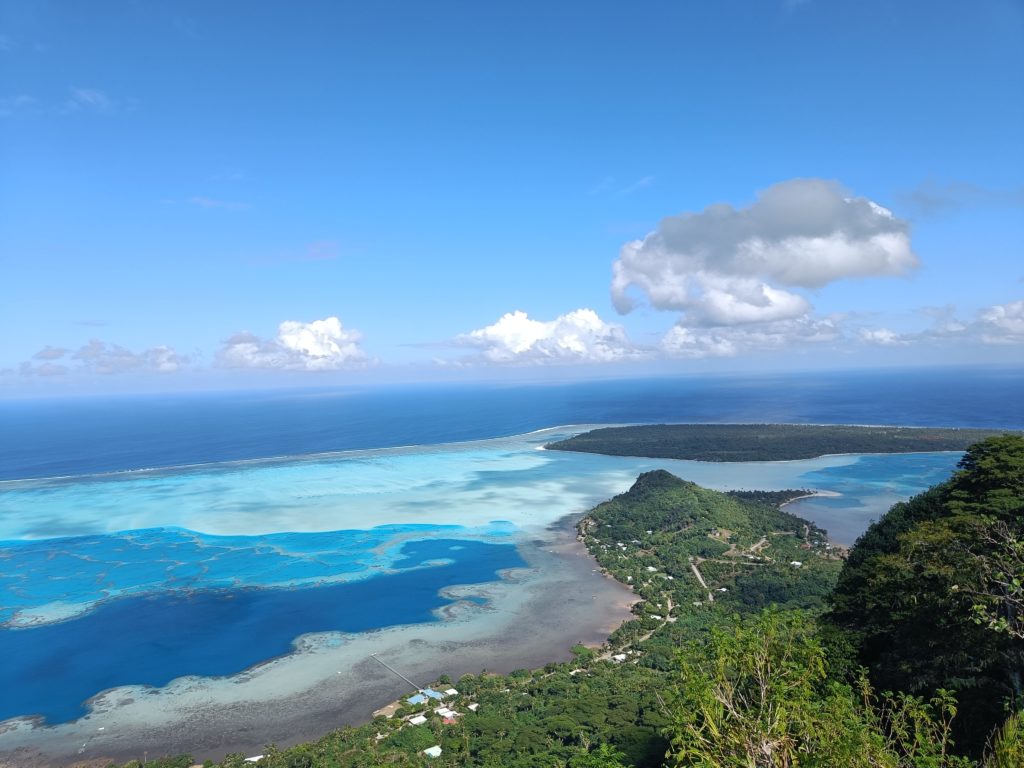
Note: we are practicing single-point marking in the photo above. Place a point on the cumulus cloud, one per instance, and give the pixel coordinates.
(322, 345)
(576, 337)
(103, 358)
(727, 266)
(730, 341)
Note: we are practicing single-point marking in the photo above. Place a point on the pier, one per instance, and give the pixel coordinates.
(396, 672)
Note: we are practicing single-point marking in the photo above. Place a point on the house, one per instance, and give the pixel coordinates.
(434, 751)
(449, 721)
(417, 720)
(254, 759)
(451, 692)
(474, 706)
(619, 657)
(422, 696)
(796, 564)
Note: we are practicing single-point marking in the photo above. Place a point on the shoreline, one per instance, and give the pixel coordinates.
(331, 681)
(813, 495)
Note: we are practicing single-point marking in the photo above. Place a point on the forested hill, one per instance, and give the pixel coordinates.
(765, 442)
(670, 538)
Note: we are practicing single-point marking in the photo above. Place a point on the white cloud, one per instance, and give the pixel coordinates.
(103, 358)
(733, 340)
(686, 342)
(881, 336)
(99, 357)
(322, 345)
(728, 266)
(1002, 323)
(576, 337)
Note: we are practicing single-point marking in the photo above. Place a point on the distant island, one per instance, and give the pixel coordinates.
(766, 442)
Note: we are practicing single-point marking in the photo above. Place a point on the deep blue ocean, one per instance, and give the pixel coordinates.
(139, 578)
(47, 438)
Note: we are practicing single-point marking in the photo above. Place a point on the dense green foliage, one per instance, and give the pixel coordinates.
(707, 676)
(927, 599)
(765, 442)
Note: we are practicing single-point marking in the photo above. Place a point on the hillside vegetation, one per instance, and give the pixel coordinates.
(765, 442)
(906, 655)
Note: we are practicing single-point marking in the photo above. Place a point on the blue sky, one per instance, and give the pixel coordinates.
(226, 194)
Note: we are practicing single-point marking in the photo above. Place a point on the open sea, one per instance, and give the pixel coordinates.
(147, 538)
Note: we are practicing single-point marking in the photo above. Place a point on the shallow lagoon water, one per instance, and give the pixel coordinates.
(153, 639)
(75, 548)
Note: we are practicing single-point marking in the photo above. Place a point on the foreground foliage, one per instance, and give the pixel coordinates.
(931, 595)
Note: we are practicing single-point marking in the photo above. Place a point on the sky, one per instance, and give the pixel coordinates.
(202, 195)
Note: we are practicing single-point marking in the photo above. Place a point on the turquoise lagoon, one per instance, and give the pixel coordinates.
(315, 530)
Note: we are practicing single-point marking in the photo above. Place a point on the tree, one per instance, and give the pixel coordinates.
(605, 756)
(755, 695)
(924, 588)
